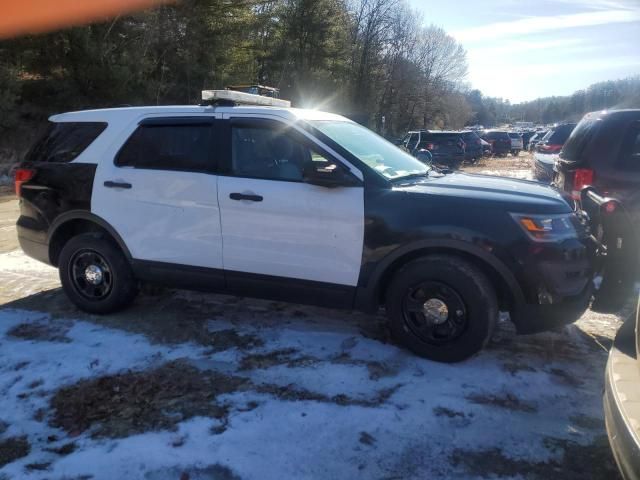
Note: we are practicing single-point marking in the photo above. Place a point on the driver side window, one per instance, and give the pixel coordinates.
(269, 153)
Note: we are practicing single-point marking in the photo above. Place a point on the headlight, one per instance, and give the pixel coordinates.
(548, 228)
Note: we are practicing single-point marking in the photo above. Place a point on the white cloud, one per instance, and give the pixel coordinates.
(531, 25)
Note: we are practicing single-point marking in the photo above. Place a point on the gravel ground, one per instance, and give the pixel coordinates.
(186, 385)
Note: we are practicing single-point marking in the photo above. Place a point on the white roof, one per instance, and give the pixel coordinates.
(130, 113)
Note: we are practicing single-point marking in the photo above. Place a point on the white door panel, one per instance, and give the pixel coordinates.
(297, 230)
(166, 216)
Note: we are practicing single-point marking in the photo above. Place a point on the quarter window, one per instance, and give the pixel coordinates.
(269, 153)
(630, 153)
(64, 141)
(168, 147)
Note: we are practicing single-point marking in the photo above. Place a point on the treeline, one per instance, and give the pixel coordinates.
(372, 60)
(616, 94)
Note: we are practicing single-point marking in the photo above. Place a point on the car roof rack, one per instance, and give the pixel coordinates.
(230, 98)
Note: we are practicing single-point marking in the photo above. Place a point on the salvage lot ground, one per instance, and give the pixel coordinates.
(186, 385)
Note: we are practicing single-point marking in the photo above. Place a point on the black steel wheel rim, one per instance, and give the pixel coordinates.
(91, 275)
(434, 312)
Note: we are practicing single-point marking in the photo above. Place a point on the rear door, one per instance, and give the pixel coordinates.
(276, 225)
(159, 192)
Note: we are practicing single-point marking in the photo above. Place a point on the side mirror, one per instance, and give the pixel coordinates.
(329, 175)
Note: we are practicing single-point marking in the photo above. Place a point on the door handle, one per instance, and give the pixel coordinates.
(112, 184)
(245, 196)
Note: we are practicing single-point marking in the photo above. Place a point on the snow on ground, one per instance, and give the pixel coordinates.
(312, 393)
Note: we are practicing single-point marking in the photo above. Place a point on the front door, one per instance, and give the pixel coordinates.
(160, 193)
(275, 224)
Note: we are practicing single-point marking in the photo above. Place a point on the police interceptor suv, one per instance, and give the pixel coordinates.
(297, 205)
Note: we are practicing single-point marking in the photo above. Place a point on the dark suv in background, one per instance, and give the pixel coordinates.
(553, 141)
(603, 152)
(473, 150)
(500, 141)
(546, 152)
(447, 148)
(535, 140)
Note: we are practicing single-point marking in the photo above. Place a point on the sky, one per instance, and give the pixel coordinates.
(521, 49)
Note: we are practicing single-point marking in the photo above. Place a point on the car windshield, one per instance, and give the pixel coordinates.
(380, 155)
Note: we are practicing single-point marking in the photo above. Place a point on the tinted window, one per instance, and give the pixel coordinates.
(515, 135)
(630, 153)
(580, 137)
(560, 134)
(64, 141)
(269, 153)
(498, 135)
(168, 147)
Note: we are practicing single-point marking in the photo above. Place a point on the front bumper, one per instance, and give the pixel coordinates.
(622, 403)
(557, 283)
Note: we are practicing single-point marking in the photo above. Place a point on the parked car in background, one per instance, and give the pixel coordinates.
(447, 148)
(526, 136)
(553, 141)
(542, 166)
(535, 139)
(486, 148)
(516, 143)
(473, 150)
(604, 152)
(500, 141)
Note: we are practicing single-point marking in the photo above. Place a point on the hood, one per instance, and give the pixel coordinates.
(493, 192)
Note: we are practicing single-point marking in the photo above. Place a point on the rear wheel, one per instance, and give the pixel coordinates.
(95, 274)
(442, 308)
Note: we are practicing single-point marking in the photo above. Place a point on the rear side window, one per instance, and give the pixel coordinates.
(559, 135)
(580, 138)
(64, 141)
(184, 147)
(629, 159)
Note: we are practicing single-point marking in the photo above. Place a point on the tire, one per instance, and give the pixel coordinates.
(470, 308)
(108, 287)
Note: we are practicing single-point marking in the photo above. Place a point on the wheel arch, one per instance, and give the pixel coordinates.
(510, 295)
(72, 223)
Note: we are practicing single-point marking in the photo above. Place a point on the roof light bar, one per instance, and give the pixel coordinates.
(242, 98)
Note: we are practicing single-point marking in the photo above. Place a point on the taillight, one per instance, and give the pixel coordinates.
(22, 175)
(550, 148)
(582, 177)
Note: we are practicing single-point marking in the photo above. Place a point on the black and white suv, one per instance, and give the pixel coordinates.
(297, 205)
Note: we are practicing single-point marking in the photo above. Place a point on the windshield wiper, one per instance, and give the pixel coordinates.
(411, 175)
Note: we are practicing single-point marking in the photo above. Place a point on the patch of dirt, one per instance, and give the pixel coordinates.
(42, 331)
(38, 466)
(291, 358)
(66, 449)
(576, 462)
(293, 393)
(447, 412)
(285, 356)
(12, 449)
(212, 472)
(507, 400)
(367, 439)
(135, 402)
(587, 422)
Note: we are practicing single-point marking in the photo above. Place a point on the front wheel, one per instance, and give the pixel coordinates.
(95, 274)
(442, 308)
